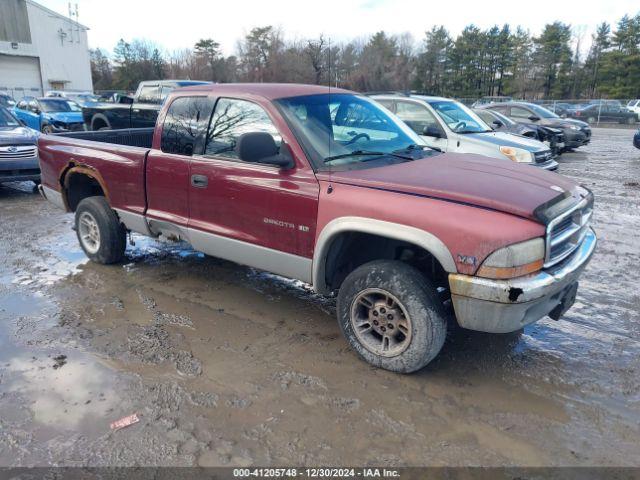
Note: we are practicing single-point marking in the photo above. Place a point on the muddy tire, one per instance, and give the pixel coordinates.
(100, 233)
(391, 316)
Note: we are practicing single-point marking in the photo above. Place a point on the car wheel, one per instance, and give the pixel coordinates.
(591, 120)
(631, 120)
(100, 233)
(391, 316)
(46, 129)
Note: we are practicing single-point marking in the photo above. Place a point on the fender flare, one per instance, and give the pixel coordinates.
(81, 169)
(416, 236)
(99, 116)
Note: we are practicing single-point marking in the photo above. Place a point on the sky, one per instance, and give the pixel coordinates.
(177, 25)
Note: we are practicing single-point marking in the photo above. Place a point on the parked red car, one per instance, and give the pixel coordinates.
(325, 186)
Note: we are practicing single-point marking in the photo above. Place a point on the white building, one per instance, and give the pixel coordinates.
(41, 50)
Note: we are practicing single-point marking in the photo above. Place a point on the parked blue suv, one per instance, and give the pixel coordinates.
(50, 115)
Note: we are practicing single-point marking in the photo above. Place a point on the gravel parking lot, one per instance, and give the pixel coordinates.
(230, 366)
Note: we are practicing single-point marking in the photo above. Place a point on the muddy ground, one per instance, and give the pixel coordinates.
(230, 366)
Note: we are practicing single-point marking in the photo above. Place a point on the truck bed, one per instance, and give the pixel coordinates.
(117, 158)
(132, 137)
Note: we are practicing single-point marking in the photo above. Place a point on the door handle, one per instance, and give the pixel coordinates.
(199, 181)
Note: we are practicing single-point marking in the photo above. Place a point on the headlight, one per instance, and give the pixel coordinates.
(518, 155)
(514, 261)
(574, 127)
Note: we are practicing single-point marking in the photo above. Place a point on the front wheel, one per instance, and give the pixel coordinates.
(391, 316)
(47, 129)
(100, 233)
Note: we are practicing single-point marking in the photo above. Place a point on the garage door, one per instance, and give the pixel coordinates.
(20, 76)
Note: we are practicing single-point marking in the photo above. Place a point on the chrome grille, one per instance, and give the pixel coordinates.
(543, 156)
(566, 232)
(18, 151)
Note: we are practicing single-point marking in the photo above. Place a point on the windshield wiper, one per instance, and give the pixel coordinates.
(358, 153)
(473, 131)
(415, 146)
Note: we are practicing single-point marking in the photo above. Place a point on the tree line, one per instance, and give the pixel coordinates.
(475, 63)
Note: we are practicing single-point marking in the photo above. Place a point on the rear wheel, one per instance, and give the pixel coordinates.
(99, 231)
(391, 316)
(591, 120)
(631, 120)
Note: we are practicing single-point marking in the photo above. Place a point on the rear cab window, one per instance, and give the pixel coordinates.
(185, 124)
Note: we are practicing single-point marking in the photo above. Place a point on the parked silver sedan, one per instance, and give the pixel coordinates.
(18, 150)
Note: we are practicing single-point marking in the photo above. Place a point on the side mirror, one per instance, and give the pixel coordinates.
(260, 147)
(432, 131)
(534, 118)
(498, 123)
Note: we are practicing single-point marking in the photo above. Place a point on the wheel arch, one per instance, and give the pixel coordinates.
(80, 181)
(99, 118)
(394, 231)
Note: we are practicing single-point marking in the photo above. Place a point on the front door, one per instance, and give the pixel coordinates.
(418, 117)
(251, 213)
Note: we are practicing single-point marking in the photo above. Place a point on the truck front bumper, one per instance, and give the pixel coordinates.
(501, 306)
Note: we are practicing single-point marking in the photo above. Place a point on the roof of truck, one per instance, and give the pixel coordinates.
(270, 91)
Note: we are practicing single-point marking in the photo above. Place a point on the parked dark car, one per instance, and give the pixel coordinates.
(140, 111)
(636, 139)
(605, 111)
(18, 150)
(576, 133)
(553, 137)
(500, 123)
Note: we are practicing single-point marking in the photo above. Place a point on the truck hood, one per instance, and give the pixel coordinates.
(66, 117)
(500, 139)
(466, 178)
(18, 136)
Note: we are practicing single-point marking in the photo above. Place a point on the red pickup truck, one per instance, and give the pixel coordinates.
(326, 186)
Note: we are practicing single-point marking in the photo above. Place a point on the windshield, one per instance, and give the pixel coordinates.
(7, 120)
(458, 117)
(503, 119)
(340, 129)
(59, 105)
(541, 111)
(84, 97)
(6, 101)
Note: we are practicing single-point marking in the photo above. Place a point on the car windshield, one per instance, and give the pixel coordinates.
(347, 130)
(59, 105)
(541, 111)
(84, 97)
(504, 119)
(458, 117)
(6, 101)
(7, 120)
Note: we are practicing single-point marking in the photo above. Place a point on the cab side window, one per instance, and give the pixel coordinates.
(22, 105)
(416, 116)
(33, 106)
(520, 113)
(149, 94)
(232, 118)
(184, 125)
